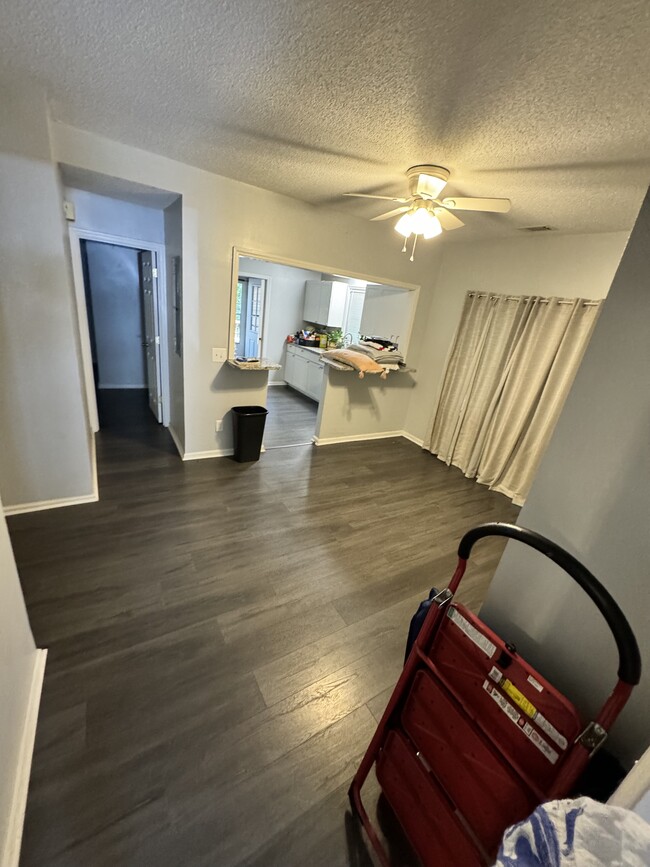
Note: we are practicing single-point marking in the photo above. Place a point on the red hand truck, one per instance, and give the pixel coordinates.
(473, 738)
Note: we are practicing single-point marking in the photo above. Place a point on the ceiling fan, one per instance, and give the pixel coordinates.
(423, 213)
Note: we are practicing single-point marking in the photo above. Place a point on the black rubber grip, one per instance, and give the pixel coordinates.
(629, 658)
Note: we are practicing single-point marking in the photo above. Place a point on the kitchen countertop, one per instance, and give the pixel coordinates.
(313, 349)
(262, 364)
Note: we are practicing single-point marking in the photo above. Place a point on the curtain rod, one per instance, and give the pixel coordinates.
(525, 298)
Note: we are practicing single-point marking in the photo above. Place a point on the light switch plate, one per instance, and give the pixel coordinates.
(218, 425)
(219, 355)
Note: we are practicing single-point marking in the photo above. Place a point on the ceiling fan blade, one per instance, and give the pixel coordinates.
(464, 203)
(390, 214)
(369, 196)
(447, 221)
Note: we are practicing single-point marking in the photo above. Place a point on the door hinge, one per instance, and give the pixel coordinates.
(157, 340)
(154, 272)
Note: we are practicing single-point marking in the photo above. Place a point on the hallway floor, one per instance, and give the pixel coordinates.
(222, 638)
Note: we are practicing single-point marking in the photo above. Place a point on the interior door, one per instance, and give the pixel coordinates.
(151, 341)
(254, 312)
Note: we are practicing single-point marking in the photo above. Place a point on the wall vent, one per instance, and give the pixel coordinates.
(536, 229)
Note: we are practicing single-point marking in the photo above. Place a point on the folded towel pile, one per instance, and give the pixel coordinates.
(381, 356)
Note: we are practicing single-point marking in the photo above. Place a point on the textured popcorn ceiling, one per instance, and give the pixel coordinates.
(547, 103)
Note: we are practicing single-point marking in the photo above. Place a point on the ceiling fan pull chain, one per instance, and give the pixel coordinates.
(415, 240)
(404, 246)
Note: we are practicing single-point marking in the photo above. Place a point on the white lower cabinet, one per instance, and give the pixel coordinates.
(303, 370)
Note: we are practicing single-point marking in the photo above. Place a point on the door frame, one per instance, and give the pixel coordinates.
(265, 310)
(160, 301)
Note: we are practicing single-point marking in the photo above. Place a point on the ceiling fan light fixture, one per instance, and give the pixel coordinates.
(405, 224)
(421, 220)
(434, 228)
(427, 180)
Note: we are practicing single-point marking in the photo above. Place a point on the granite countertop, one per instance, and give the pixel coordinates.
(262, 364)
(313, 349)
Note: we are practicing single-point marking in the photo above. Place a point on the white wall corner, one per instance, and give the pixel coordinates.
(177, 442)
(417, 440)
(11, 850)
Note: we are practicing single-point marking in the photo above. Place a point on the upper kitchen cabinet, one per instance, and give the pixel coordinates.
(325, 302)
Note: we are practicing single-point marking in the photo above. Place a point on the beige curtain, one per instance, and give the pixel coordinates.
(509, 371)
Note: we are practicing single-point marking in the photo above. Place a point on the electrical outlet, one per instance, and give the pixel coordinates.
(219, 355)
(218, 425)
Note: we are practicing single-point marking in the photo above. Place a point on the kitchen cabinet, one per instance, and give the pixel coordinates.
(303, 370)
(315, 371)
(325, 302)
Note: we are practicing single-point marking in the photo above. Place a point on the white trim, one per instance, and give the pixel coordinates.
(177, 441)
(76, 236)
(413, 439)
(213, 453)
(265, 314)
(11, 850)
(383, 435)
(282, 382)
(41, 505)
(93, 466)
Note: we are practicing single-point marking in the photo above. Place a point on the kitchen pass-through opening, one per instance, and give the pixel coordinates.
(286, 316)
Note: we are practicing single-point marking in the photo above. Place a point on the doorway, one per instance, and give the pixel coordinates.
(249, 317)
(121, 298)
(123, 332)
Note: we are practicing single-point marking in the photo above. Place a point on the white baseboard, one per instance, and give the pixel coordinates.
(177, 441)
(280, 382)
(11, 850)
(213, 453)
(416, 440)
(354, 438)
(51, 504)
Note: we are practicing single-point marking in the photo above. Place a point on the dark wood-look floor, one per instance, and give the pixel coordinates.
(291, 419)
(222, 638)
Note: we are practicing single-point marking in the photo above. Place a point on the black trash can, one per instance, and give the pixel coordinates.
(248, 430)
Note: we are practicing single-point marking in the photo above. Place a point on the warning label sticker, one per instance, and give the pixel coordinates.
(511, 712)
(528, 707)
(550, 730)
(519, 698)
(472, 633)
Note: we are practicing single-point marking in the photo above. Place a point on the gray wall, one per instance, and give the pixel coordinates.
(219, 214)
(17, 659)
(592, 495)
(45, 453)
(117, 311)
(114, 217)
(173, 236)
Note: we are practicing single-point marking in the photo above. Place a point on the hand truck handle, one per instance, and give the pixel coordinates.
(629, 659)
